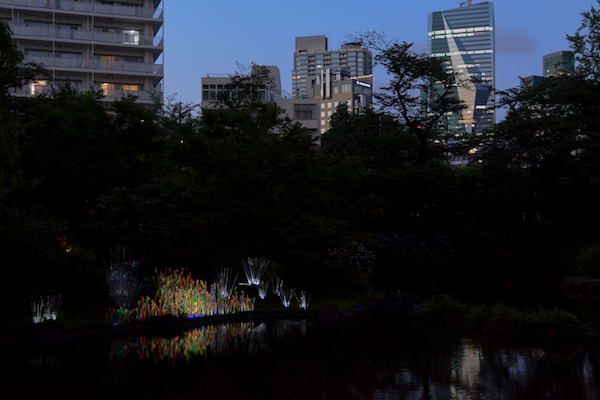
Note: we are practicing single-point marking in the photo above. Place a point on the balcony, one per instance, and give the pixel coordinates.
(97, 64)
(128, 38)
(125, 66)
(89, 7)
(109, 95)
(144, 96)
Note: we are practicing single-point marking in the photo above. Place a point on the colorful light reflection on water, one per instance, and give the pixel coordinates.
(213, 339)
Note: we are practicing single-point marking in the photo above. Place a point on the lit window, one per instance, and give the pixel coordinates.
(133, 89)
(131, 36)
(108, 89)
(37, 87)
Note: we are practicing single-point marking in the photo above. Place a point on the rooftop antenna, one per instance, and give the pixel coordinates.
(468, 2)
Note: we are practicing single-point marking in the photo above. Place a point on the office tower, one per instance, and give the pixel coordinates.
(560, 62)
(115, 46)
(312, 56)
(463, 38)
(557, 63)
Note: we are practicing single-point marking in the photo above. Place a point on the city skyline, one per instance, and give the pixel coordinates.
(202, 38)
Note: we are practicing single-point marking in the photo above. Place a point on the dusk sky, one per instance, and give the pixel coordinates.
(204, 38)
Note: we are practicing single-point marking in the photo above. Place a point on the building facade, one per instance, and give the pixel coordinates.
(214, 86)
(463, 38)
(303, 111)
(529, 82)
(115, 47)
(333, 87)
(312, 56)
(559, 62)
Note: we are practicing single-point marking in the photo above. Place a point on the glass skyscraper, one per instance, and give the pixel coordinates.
(560, 62)
(463, 38)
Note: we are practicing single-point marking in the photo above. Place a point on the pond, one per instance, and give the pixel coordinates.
(371, 356)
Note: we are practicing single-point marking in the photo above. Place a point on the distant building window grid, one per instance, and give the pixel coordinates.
(319, 60)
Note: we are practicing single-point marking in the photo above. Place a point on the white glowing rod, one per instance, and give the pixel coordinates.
(254, 268)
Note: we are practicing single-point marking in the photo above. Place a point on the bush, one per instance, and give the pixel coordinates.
(445, 308)
(548, 324)
(477, 315)
(588, 260)
(545, 325)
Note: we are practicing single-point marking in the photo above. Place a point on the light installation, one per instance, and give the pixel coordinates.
(180, 295)
(46, 310)
(254, 268)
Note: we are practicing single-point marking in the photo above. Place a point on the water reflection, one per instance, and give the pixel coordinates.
(479, 370)
(298, 360)
(221, 339)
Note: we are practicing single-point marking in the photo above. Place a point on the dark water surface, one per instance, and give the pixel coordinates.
(369, 357)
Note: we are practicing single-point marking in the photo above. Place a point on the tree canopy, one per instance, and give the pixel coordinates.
(420, 93)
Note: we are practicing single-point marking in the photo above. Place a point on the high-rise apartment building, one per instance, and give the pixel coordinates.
(113, 46)
(312, 56)
(559, 62)
(463, 38)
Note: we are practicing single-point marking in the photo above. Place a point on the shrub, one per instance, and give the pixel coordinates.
(548, 324)
(444, 308)
(477, 315)
(588, 260)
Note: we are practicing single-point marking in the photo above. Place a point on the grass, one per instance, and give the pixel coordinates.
(83, 320)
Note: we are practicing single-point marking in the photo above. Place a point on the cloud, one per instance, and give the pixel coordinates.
(513, 40)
